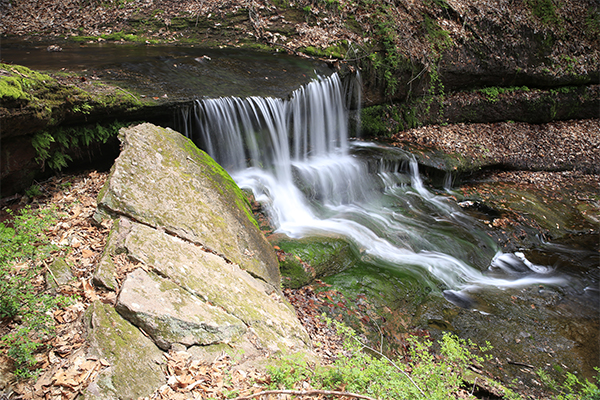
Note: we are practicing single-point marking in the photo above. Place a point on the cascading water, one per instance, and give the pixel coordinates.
(295, 156)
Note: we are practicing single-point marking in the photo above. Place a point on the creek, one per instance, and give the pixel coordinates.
(421, 257)
(420, 254)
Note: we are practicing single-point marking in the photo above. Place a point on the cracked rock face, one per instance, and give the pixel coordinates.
(169, 314)
(199, 270)
(163, 180)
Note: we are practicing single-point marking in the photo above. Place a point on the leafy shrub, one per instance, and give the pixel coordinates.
(572, 388)
(23, 245)
(70, 137)
(363, 370)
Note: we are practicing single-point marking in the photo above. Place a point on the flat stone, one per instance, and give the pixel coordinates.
(212, 279)
(169, 314)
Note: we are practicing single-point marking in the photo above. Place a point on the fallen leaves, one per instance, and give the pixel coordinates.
(66, 381)
(562, 145)
(195, 378)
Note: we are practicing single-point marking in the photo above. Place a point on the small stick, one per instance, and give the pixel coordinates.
(520, 364)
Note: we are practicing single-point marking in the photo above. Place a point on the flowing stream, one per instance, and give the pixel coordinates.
(296, 157)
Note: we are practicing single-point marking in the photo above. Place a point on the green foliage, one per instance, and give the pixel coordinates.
(380, 121)
(332, 4)
(23, 245)
(572, 388)
(33, 191)
(69, 137)
(545, 11)
(592, 21)
(363, 370)
(438, 38)
(493, 92)
(84, 108)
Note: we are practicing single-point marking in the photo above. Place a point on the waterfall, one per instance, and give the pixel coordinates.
(296, 158)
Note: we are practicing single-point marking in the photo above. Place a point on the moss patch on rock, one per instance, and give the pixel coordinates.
(303, 260)
(131, 355)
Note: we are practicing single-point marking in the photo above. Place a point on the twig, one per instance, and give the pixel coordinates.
(199, 12)
(474, 383)
(307, 393)
(393, 363)
(120, 88)
(520, 364)
(417, 77)
(51, 274)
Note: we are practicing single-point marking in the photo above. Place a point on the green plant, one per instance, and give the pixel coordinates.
(493, 92)
(364, 370)
(33, 191)
(572, 388)
(85, 108)
(24, 244)
(592, 21)
(544, 10)
(69, 137)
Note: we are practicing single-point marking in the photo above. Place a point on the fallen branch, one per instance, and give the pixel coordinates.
(307, 393)
(420, 73)
(135, 98)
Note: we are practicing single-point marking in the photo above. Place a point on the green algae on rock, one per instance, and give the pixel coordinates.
(304, 260)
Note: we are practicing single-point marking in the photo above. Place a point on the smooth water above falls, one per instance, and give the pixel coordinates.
(296, 158)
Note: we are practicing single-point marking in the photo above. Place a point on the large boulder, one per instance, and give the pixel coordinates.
(182, 294)
(187, 264)
(163, 180)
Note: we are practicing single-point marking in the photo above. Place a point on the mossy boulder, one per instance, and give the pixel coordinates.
(134, 358)
(304, 260)
(163, 180)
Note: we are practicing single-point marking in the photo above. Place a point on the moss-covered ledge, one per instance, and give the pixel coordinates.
(50, 120)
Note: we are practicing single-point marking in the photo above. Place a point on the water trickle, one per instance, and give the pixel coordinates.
(296, 157)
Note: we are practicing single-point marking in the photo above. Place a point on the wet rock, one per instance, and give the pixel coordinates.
(304, 260)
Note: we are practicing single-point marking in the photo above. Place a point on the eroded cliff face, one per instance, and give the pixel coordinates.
(188, 264)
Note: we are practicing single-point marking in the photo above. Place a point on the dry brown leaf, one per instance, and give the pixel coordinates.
(85, 253)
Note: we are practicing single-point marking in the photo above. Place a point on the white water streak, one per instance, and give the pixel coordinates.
(294, 155)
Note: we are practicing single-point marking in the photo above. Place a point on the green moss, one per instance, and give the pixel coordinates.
(305, 259)
(10, 89)
(493, 92)
(544, 10)
(223, 181)
(439, 38)
(337, 51)
(381, 121)
(130, 353)
(21, 83)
